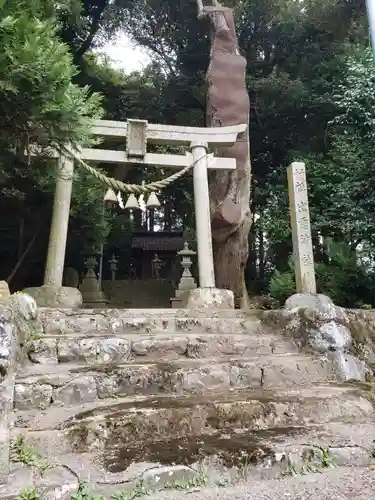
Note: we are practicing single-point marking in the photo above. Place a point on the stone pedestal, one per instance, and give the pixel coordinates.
(93, 297)
(55, 296)
(211, 299)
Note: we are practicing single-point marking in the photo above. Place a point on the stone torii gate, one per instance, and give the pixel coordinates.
(139, 133)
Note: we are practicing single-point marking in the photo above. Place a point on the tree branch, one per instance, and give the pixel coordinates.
(95, 23)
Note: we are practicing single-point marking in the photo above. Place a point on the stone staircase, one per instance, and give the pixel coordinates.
(116, 397)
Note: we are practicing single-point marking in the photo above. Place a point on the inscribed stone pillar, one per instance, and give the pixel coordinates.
(301, 230)
(59, 225)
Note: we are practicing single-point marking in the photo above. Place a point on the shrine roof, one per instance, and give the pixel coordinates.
(158, 241)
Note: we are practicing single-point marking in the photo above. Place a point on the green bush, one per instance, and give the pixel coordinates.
(282, 286)
(344, 278)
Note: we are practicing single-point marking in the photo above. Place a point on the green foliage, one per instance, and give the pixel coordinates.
(320, 459)
(282, 286)
(40, 104)
(355, 97)
(43, 106)
(28, 494)
(347, 280)
(196, 481)
(87, 209)
(327, 459)
(84, 493)
(343, 276)
(138, 491)
(21, 451)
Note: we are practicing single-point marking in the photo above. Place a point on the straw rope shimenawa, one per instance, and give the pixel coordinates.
(117, 185)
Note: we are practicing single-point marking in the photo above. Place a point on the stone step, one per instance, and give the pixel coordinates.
(259, 454)
(179, 482)
(111, 348)
(221, 459)
(150, 313)
(155, 429)
(124, 321)
(68, 384)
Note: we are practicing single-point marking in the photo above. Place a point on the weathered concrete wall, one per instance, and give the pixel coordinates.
(18, 323)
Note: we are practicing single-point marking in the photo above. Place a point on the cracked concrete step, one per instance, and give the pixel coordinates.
(111, 348)
(87, 321)
(133, 428)
(68, 384)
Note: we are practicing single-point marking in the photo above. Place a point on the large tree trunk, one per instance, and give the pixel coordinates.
(228, 104)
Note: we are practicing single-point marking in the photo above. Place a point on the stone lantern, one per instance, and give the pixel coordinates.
(187, 281)
(113, 267)
(92, 295)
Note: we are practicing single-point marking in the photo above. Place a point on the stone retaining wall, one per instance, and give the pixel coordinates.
(18, 323)
(345, 336)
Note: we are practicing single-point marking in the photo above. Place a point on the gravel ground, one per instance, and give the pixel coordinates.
(337, 484)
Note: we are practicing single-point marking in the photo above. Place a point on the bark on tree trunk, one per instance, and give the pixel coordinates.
(228, 104)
